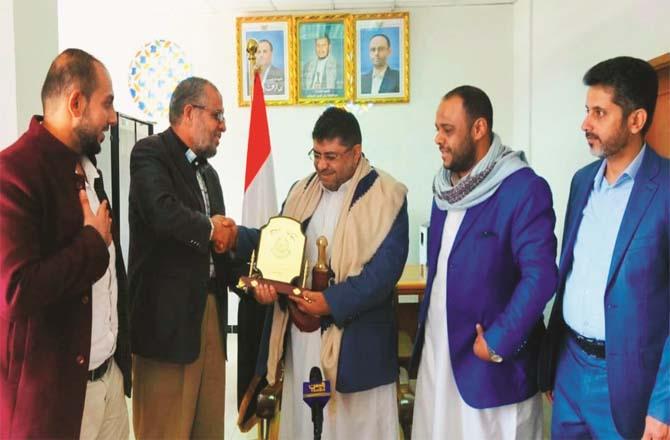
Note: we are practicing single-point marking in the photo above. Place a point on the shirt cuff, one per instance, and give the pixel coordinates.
(211, 232)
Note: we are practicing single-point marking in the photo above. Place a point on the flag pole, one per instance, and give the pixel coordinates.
(252, 48)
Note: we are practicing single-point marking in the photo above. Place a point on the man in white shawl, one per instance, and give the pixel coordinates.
(491, 270)
(362, 212)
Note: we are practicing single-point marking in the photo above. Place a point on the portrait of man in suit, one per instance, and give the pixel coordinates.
(271, 75)
(382, 78)
(272, 58)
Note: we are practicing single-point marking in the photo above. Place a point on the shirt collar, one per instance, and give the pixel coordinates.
(629, 173)
(190, 155)
(341, 189)
(381, 74)
(89, 169)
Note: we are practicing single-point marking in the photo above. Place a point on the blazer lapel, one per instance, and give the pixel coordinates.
(435, 235)
(437, 218)
(384, 86)
(582, 193)
(214, 190)
(640, 198)
(470, 216)
(185, 168)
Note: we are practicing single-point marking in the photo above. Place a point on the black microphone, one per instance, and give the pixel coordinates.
(316, 393)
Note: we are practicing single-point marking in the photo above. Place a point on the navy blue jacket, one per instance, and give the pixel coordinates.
(363, 306)
(390, 82)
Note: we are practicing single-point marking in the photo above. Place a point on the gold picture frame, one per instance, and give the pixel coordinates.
(323, 62)
(381, 38)
(276, 48)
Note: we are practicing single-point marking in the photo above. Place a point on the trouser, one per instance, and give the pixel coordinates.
(105, 412)
(183, 400)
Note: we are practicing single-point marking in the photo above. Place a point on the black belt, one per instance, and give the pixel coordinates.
(96, 374)
(590, 346)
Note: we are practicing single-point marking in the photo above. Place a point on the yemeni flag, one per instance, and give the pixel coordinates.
(260, 203)
(260, 195)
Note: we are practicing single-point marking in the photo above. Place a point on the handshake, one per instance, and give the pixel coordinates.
(224, 235)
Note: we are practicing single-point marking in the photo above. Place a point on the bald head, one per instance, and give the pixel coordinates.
(78, 101)
(72, 68)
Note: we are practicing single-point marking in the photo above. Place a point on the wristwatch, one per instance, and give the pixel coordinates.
(494, 357)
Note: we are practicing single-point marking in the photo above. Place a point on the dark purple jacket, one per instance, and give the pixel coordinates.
(48, 264)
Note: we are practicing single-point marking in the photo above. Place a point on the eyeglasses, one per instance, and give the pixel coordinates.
(329, 157)
(216, 114)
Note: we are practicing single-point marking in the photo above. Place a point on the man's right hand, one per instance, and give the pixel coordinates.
(224, 235)
(101, 220)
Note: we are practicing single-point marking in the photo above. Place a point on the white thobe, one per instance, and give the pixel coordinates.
(440, 412)
(363, 415)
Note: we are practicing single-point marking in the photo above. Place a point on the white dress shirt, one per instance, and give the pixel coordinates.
(105, 320)
(377, 79)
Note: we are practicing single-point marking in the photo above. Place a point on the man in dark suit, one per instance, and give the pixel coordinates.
(606, 357)
(65, 361)
(178, 271)
(382, 78)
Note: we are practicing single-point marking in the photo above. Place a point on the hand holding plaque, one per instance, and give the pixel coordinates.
(280, 263)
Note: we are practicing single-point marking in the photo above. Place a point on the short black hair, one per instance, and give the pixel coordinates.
(475, 102)
(71, 68)
(634, 82)
(189, 91)
(269, 44)
(337, 123)
(388, 41)
(321, 37)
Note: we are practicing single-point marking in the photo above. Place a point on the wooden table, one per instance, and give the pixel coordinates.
(409, 289)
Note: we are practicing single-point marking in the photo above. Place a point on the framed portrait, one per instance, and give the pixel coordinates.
(323, 48)
(381, 57)
(274, 58)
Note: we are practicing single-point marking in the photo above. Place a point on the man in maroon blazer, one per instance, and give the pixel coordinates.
(64, 354)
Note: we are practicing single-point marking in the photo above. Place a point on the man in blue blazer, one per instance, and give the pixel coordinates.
(606, 360)
(491, 270)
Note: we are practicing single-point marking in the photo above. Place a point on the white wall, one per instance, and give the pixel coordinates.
(450, 46)
(566, 39)
(8, 131)
(36, 45)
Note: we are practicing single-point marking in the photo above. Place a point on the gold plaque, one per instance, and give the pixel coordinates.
(281, 250)
(281, 264)
(280, 260)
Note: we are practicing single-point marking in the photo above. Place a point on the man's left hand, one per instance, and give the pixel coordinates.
(480, 347)
(312, 303)
(655, 430)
